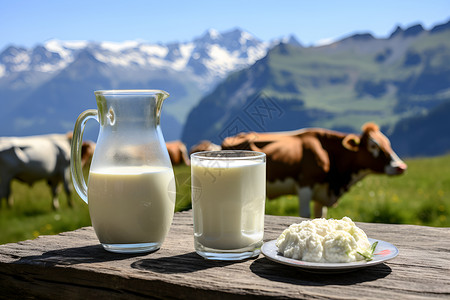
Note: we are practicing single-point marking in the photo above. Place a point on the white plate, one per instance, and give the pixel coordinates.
(383, 252)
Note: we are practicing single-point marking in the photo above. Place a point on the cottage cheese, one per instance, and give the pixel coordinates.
(322, 240)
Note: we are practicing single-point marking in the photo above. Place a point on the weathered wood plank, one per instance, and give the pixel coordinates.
(73, 265)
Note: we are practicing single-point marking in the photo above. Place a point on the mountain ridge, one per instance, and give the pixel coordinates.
(338, 86)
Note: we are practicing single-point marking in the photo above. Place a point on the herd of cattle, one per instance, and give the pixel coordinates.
(316, 164)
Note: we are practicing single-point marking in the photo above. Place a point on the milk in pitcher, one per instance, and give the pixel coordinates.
(131, 205)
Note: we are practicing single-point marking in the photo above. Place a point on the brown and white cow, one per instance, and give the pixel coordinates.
(178, 153)
(319, 164)
(35, 158)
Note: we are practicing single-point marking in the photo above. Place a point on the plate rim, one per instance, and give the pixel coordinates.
(329, 266)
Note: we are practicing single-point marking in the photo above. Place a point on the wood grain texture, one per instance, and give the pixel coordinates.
(73, 265)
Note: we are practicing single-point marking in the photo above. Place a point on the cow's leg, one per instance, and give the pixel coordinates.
(5, 191)
(68, 191)
(10, 200)
(304, 198)
(54, 188)
(324, 211)
(320, 211)
(9, 196)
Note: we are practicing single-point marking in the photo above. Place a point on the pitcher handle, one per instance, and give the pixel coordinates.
(75, 160)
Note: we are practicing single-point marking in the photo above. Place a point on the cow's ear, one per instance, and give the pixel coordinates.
(69, 135)
(351, 142)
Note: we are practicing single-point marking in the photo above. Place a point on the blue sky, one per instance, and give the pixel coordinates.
(29, 22)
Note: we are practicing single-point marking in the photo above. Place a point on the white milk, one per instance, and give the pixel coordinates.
(228, 203)
(130, 205)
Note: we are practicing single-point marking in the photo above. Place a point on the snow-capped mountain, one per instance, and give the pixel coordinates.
(208, 58)
(39, 87)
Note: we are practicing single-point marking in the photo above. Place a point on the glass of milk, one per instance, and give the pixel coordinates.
(131, 186)
(228, 199)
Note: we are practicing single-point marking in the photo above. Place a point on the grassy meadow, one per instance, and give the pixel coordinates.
(421, 196)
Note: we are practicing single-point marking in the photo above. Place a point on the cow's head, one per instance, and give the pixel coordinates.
(204, 146)
(87, 149)
(374, 151)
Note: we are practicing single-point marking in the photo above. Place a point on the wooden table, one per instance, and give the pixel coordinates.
(73, 265)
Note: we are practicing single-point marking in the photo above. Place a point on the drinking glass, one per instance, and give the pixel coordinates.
(228, 200)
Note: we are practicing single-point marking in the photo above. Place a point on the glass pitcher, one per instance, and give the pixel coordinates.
(131, 186)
